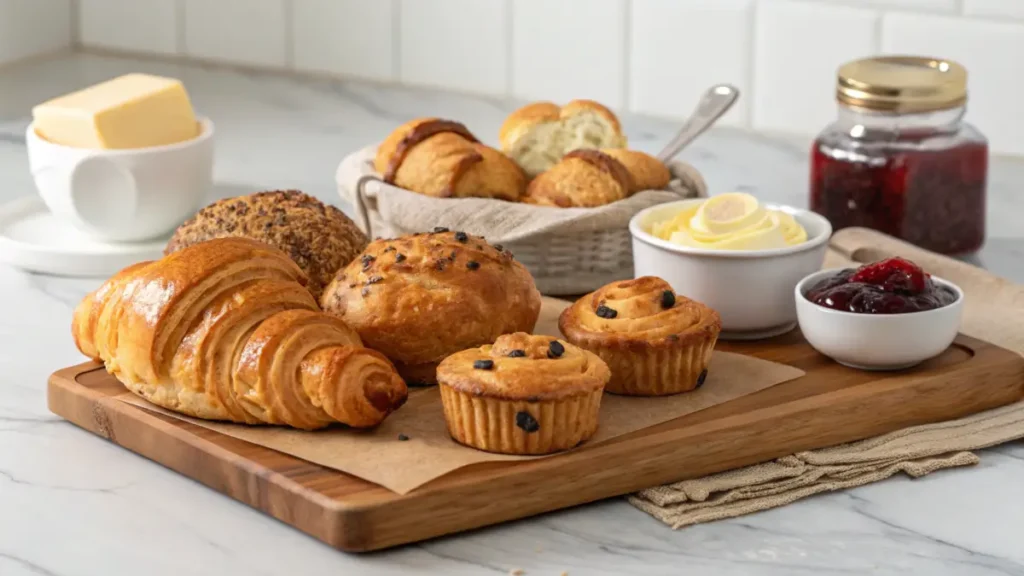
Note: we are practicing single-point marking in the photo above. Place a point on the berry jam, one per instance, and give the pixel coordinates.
(934, 198)
(893, 286)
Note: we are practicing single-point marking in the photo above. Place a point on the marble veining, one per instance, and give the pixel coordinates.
(72, 504)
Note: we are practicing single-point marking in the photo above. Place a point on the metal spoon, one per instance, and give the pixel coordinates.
(715, 102)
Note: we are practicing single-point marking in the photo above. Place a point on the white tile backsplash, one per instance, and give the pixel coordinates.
(798, 48)
(995, 8)
(135, 25)
(347, 37)
(253, 32)
(646, 56)
(566, 49)
(457, 44)
(671, 63)
(991, 52)
(33, 27)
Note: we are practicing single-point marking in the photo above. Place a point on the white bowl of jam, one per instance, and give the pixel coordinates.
(888, 315)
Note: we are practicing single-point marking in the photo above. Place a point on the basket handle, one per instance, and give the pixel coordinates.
(362, 201)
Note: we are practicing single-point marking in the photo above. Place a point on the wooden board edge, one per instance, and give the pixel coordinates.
(243, 480)
(654, 468)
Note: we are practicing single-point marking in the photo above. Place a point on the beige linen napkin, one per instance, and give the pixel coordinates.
(993, 312)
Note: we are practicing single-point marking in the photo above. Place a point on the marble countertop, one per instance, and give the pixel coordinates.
(72, 504)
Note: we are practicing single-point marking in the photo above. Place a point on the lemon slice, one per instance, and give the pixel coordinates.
(727, 213)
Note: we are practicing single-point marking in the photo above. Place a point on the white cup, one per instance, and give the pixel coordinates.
(123, 195)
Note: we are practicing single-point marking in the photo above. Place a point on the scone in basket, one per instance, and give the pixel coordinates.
(568, 250)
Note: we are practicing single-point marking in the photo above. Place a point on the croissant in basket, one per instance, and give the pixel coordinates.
(442, 158)
(538, 135)
(589, 178)
(226, 330)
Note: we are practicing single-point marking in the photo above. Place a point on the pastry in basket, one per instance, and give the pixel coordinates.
(442, 158)
(420, 298)
(524, 394)
(226, 330)
(655, 341)
(538, 135)
(590, 178)
(318, 237)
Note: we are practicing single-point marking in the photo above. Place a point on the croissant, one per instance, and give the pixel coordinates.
(226, 330)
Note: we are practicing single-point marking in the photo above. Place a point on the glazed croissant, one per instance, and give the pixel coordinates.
(226, 330)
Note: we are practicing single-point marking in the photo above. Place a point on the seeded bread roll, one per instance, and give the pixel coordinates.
(318, 237)
(538, 135)
(443, 159)
(419, 298)
(523, 395)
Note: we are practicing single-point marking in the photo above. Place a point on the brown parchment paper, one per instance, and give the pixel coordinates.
(401, 466)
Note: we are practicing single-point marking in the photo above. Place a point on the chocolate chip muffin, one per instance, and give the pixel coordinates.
(420, 298)
(320, 238)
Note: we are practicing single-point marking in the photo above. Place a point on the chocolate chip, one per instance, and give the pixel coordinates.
(440, 265)
(606, 312)
(374, 279)
(668, 299)
(483, 364)
(517, 354)
(526, 422)
(389, 249)
(399, 257)
(499, 247)
(472, 265)
(402, 437)
(368, 261)
(461, 236)
(555, 349)
(440, 229)
(703, 376)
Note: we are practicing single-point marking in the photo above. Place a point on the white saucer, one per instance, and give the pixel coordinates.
(32, 239)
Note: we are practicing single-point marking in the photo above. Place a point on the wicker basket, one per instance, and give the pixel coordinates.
(568, 250)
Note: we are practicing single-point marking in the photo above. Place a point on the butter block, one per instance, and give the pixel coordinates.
(131, 111)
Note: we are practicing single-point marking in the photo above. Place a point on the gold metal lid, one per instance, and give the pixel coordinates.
(902, 84)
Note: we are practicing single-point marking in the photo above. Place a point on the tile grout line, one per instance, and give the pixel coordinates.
(181, 44)
(751, 71)
(289, 33)
(396, 40)
(627, 54)
(509, 47)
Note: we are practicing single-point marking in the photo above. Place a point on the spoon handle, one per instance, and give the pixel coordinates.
(715, 102)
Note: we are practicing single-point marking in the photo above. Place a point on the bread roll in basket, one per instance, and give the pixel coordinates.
(568, 250)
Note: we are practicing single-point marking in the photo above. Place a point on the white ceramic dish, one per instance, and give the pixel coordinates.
(752, 290)
(32, 239)
(877, 341)
(123, 195)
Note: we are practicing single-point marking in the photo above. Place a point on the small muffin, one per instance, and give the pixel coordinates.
(420, 298)
(539, 134)
(523, 395)
(442, 158)
(648, 172)
(583, 179)
(320, 238)
(655, 342)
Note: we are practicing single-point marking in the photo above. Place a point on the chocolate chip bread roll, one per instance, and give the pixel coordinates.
(523, 395)
(419, 298)
(655, 341)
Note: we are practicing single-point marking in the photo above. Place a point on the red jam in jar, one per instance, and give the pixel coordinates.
(899, 158)
(893, 286)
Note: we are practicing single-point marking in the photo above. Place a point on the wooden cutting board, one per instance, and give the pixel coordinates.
(830, 405)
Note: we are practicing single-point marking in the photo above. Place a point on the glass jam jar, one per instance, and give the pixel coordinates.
(899, 158)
